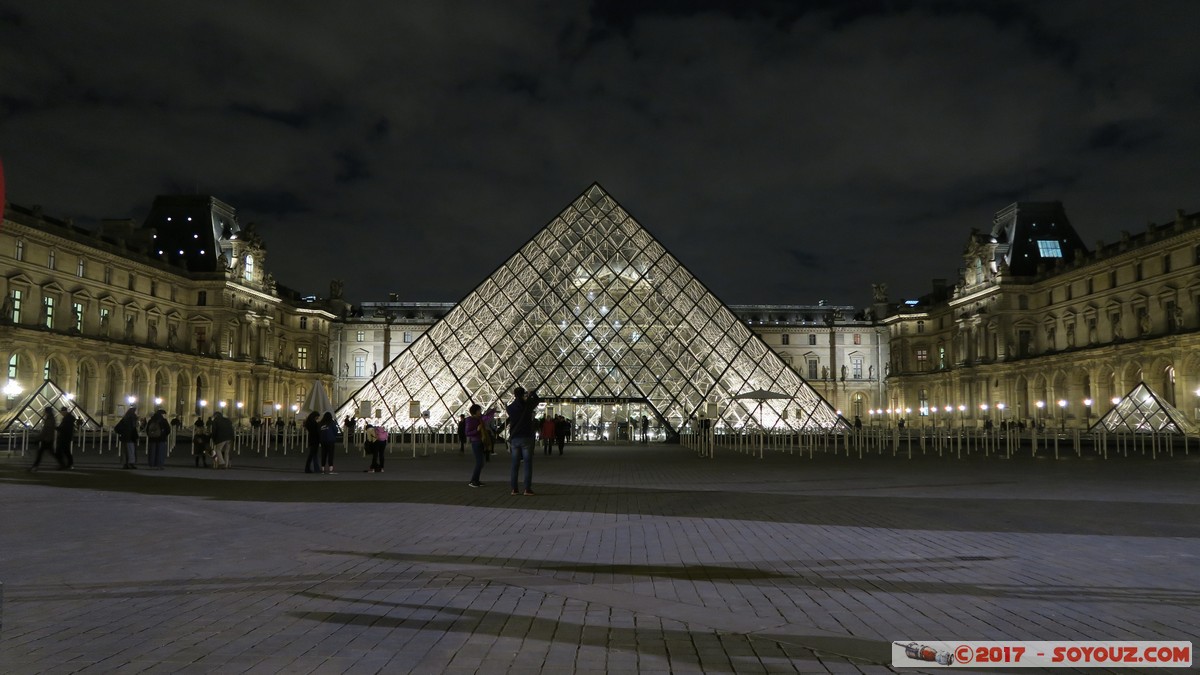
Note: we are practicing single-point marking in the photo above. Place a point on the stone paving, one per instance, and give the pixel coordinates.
(629, 559)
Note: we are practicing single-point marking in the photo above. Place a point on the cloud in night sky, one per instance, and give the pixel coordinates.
(785, 152)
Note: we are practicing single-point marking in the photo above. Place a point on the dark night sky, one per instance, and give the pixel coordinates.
(785, 152)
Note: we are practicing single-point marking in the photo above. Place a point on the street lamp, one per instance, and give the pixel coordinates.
(1087, 412)
(1062, 403)
(12, 389)
(1000, 408)
(962, 416)
(1037, 419)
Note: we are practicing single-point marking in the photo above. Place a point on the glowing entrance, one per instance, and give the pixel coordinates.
(608, 420)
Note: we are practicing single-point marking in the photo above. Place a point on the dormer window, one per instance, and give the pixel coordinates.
(1049, 248)
(248, 273)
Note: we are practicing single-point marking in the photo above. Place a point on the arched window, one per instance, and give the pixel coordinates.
(248, 274)
(13, 363)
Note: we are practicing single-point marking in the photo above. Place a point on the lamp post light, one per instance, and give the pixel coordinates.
(962, 416)
(1000, 412)
(1087, 412)
(1037, 419)
(203, 405)
(12, 389)
(1062, 403)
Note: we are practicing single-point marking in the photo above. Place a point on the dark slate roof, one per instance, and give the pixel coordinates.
(1032, 234)
(192, 229)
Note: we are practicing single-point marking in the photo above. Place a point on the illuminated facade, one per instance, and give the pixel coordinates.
(1041, 330)
(179, 309)
(597, 316)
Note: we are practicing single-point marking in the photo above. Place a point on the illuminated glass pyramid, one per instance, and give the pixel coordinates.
(593, 309)
(1144, 412)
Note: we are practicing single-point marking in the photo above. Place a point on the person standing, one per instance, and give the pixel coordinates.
(380, 448)
(521, 436)
(64, 438)
(222, 438)
(645, 429)
(312, 430)
(475, 428)
(462, 433)
(157, 431)
(127, 434)
(562, 427)
(200, 443)
(328, 439)
(46, 438)
(547, 434)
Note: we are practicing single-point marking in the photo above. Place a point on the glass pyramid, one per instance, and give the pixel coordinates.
(1142, 411)
(28, 413)
(593, 309)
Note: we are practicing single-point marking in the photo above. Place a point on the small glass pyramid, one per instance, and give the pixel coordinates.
(594, 310)
(1142, 411)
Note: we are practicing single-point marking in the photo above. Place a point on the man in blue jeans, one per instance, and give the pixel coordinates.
(520, 436)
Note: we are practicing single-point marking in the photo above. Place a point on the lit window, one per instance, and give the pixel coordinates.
(77, 310)
(48, 308)
(16, 305)
(360, 365)
(408, 337)
(922, 356)
(13, 363)
(1049, 248)
(302, 358)
(857, 339)
(856, 367)
(361, 336)
(248, 272)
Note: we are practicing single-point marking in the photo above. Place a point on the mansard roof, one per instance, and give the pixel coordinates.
(1030, 235)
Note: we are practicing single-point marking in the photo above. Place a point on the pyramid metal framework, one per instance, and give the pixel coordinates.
(1142, 411)
(593, 309)
(28, 413)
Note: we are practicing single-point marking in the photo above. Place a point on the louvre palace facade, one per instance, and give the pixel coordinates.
(178, 312)
(186, 312)
(1040, 329)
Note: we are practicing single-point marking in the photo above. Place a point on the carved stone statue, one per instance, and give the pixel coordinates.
(843, 373)
(172, 336)
(824, 372)
(76, 320)
(345, 369)
(104, 323)
(152, 332)
(1144, 323)
(6, 310)
(129, 327)
(1051, 337)
(879, 292)
(1178, 317)
(1093, 337)
(1070, 334)
(1116, 326)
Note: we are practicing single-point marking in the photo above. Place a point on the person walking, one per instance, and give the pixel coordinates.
(157, 431)
(476, 428)
(547, 433)
(127, 434)
(222, 439)
(328, 439)
(63, 440)
(521, 437)
(46, 438)
(312, 430)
